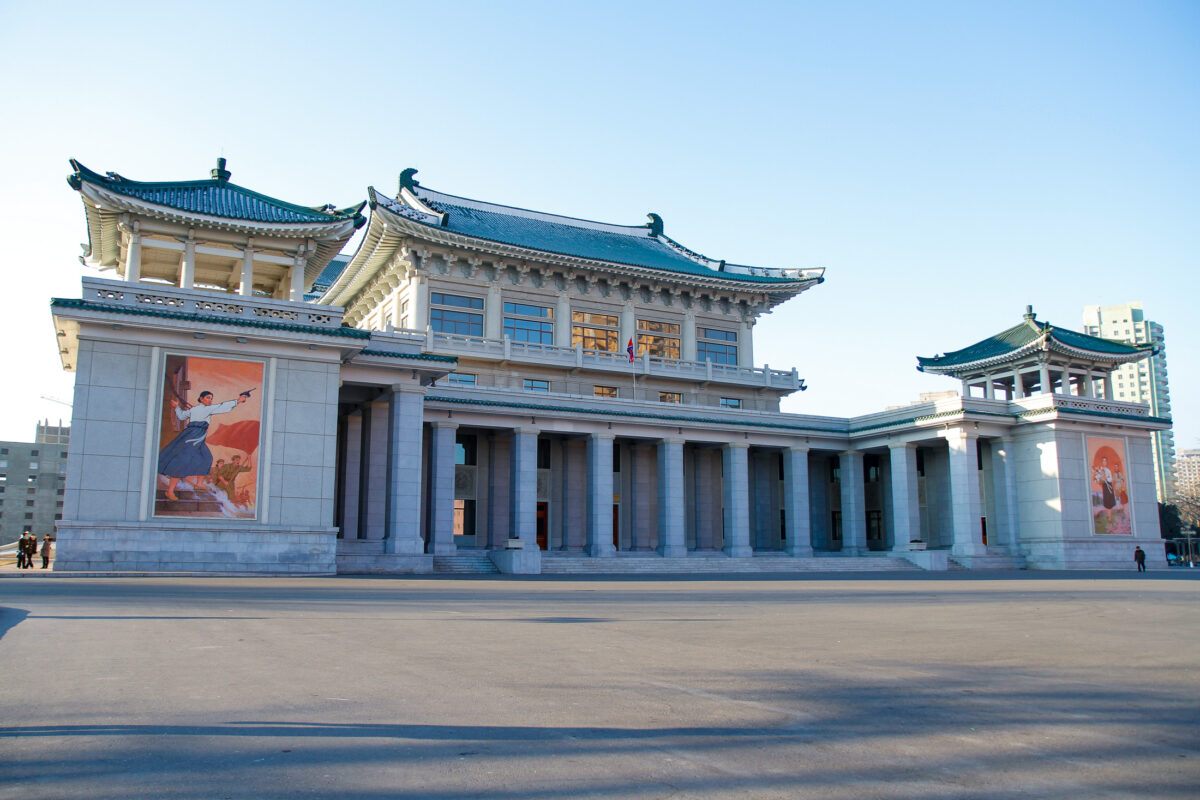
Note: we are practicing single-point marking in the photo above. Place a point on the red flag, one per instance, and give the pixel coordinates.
(629, 349)
(241, 435)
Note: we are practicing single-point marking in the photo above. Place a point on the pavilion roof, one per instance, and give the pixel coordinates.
(1027, 338)
(215, 197)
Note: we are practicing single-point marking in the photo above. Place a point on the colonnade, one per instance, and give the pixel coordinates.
(1041, 379)
(398, 481)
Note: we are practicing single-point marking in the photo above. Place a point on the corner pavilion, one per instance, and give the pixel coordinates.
(456, 395)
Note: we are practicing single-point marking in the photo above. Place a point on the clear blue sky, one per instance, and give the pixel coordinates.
(948, 163)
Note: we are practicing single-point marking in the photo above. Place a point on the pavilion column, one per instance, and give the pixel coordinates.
(796, 515)
(1089, 388)
(133, 262)
(1004, 490)
(735, 459)
(187, 279)
(987, 387)
(420, 302)
(522, 487)
(246, 288)
(1044, 377)
(671, 540)
(1108, 387)
(688, 336)
(1018, 384)
(854, 504)
(745, 345)
(966, 510)
(600, 494)
(351, 474)
(493, 321)
(405, 432)
(966, 388)
(297, 289)
(562, 320)
(441, 488)
(906, 505)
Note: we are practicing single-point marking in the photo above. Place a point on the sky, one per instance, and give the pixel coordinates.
(946, 163)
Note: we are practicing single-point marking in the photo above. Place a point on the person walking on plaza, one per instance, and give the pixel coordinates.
(1139, 557)
(21, 552)
(25, 551)
(46, 548)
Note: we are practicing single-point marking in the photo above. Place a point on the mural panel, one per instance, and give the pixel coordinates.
(1108, 479)
(209, 434)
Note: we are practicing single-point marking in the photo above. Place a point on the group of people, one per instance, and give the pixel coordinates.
(27, 548)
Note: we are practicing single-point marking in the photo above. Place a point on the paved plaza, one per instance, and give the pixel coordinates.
(904, 686)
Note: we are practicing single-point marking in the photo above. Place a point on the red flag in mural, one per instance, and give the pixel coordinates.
(238, 435)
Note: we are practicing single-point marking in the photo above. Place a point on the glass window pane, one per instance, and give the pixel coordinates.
(658, 327)
(594, 319)
(528, 311)
(439, 299)
(594, 339)
(658, 346)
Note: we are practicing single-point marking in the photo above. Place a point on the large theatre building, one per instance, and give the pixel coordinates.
(481, 388)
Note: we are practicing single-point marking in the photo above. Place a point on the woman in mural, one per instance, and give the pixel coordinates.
(188, 456)
(1103, 476)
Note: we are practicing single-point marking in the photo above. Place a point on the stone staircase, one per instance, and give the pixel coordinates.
(465, 562)
(559, 563)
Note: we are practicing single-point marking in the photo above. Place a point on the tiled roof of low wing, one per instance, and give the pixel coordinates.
(632, 245)
(1020, 336)
(215, 197)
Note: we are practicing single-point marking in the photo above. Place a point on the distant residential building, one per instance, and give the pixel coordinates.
(32, 479)
(1141, 382)
(1187, 473)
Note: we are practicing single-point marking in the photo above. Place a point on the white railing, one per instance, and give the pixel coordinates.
(579, 358)
(209, 303)
(1068, 402)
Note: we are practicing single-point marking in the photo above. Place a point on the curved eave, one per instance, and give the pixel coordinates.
(778, 290)
(107, 200)
(374, 252)
(1043, 344)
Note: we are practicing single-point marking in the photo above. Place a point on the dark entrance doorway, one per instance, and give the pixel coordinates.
(543, 526)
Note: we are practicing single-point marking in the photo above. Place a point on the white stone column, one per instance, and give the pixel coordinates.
(441, 489)
(133, 260)
(745, 351)
(187, 279)
(1089, 388)
(376, 444)
(987, 387)
(906, 504)
(351, 474)
(796, 512)
(966, 388)
(562, 320)
(628, 327)
(1108, 386)
(599, 494)
(687, 332)
(405, 429)
(296, 293)
(522, 503)
(397, 315)
(671, 539)
(419, 292)
(735, 459)
(854, 510)
(1004, 490)
(1018, 384)
(965, 508)
(246, 288)
(1044, 377)
(493, 312)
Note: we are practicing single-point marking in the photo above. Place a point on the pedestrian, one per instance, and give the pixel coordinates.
(46, 548)
(1139, 557)
(24, 554)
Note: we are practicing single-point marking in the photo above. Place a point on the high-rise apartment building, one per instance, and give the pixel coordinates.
(1141, 382)
(32, 479)
(1187, 473)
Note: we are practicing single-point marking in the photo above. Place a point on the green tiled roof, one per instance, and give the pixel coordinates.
(631, 245)
(215, 197)
(113, 308)
(1024, 334)
(417, 356)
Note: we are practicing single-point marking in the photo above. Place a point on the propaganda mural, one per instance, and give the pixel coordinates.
(1108, 478)
(208, 444)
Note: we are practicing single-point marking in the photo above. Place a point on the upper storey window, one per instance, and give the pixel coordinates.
(594, 331)
(659, 339)
(451, 313)
(525, 323)
(717, 346)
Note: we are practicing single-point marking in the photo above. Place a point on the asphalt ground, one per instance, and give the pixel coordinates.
(907, 686)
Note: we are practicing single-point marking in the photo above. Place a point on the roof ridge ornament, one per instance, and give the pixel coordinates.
(655, 224)
(220, 174)
(1029, 315)
(407, 181)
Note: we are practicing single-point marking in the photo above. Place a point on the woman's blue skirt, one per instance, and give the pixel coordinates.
(187, 454)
